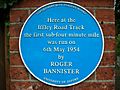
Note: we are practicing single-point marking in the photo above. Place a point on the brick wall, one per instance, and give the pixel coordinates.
(102, 79)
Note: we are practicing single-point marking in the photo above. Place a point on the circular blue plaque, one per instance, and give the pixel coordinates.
(61, 44)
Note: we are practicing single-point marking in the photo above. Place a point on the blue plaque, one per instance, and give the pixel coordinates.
(61, 44)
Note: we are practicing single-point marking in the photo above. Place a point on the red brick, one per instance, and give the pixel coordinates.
(18, 15)
(91, 77)
(15, 30)
(14, 44)
(108, 59)
(31, 11)
(106, 15)
(95, 3)
(15, 59)
(91, 11)
(32, 77)
(61, 0)
(29, 86)
(67, 88)
(104, 73)
(19, 85)
(18, 73)
(109, 44)
(108, 29)
(95, 86)
(31, 3)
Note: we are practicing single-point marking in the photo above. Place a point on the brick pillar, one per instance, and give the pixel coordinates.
(102, 79)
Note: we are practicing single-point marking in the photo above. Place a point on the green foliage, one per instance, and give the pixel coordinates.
(2, 3)
(7, 3)
(11, 2)
(118, 45)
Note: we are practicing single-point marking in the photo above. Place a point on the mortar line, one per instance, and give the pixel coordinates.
(14, 37)
(29, 12)
(107, 22)
(106, 8)
(32, 8)
(16, 23)
(94, 11)
(99, 80)
(113, 51)
(17, 66)
(14, 52)
(111, 66)
(27, 8)
(22, 80)
(95, 76)
(30, 76)
(109, 37)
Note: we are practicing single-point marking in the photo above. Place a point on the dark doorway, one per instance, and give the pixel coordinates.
(2, 51)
